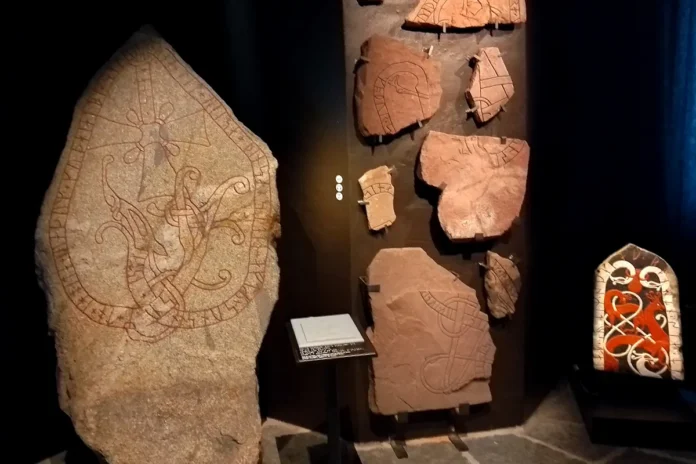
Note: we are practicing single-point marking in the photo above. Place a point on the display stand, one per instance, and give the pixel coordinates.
(397, 439)
(331, 355)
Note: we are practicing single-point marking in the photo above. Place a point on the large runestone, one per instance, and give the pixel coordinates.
(155, 248)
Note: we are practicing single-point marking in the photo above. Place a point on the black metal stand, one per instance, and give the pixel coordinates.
(331, 356)
(333, 415)
(455, 420)
(397, 439)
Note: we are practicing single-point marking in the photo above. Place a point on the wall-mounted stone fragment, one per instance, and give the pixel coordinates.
(503, 284)
(396, 87)
(483, 181)
(435, 349)
(637, 316)
(491, 85)
(155, 245)
(467, 13)
(378, 197)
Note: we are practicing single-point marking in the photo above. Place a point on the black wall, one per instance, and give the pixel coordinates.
(48, 60)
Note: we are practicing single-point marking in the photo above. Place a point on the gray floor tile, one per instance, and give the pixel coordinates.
(511, 449)
(57, 459)
(568, 436)
(558, 422)
(559, 405)
(429, 453)
(297, 449)
(269, 450)
(681, 454)
(309, 448)
(637, 457)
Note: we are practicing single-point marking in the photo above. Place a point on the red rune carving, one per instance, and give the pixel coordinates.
(169, 202)
(637, 326)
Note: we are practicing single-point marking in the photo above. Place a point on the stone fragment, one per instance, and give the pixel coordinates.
(378, 197)
(637, 316)
(396, 87)
(491, 85)
(483, 180)
(435, 349)
(503, 284)
(467, 13)
(155, 246)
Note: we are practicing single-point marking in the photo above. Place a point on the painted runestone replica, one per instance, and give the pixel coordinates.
(435, 349)
(378, 197)
(483, 182)
(491, 85)
(155, 245)
(503, 283)
(396, 87)
(637, 318)
(467, 13)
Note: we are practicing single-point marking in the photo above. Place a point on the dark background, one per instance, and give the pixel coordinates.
(599, 92)
(597, 173)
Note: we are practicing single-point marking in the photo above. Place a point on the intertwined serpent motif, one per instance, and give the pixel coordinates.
(169, 224)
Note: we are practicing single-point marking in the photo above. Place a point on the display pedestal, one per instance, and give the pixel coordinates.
(631, 411)
(331, 355)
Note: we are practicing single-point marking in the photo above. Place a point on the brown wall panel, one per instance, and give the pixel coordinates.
(415, 203)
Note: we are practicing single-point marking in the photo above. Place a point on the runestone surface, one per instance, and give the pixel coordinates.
(156, 250)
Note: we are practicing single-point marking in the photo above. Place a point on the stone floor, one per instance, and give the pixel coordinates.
(555, 434)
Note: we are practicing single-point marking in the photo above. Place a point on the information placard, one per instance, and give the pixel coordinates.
(328, 337)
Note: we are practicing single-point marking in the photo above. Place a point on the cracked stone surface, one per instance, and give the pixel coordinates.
(503, 283)
(491, 85)
(395, 87)
(435, 349)
(467, 13)
(483, 182)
